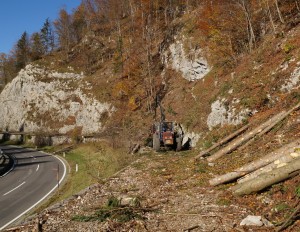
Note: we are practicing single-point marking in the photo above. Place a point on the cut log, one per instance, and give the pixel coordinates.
(260, 130)
(135, 148)
(271, 157)
(223, 141)
(282, 161)
(244, 138)
(267, 179)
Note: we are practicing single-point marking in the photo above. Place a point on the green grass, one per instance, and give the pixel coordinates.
(77, 180)
(282, 207)
(223, 202)
(201, 167)
(96, 162)
(297, 191)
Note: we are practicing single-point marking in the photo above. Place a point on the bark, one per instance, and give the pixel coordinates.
(223, 141)
(270, 16)
(250, 30)
(279, 12)
(135, 148)
(282, 161)
(283, 116)
(267, 179)
(297, 5)
(244, 138)
(260, 130)
(271, 157)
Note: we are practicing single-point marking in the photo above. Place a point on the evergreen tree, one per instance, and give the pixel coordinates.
(47, 36)
(37, 47)
(22, 51)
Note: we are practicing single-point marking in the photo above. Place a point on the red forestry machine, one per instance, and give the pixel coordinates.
(165, 134)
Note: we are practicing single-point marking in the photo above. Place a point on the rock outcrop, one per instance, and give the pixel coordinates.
(189, 62)
(43, 100)
(223, 113)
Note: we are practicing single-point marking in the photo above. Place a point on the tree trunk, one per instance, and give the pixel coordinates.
(267, 179)
(270, 16)
(244, 138)
(247, 13)
(297, 5)
(279, 12)
(260, 130)
(223, 141)
(282, 161)
(271, 157)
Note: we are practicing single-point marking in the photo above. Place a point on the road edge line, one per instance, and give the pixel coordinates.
(43, 198)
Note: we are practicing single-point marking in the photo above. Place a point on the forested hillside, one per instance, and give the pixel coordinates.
(127, 47)
(215, 65)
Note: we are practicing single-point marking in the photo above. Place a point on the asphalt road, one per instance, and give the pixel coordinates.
(34, 177)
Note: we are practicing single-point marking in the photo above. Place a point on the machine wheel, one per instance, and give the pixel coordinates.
(156, 142)
(178, 143)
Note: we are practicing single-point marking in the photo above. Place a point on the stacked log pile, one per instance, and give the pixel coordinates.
(274, 167)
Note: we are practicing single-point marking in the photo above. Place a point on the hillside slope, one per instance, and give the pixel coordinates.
(208, 93)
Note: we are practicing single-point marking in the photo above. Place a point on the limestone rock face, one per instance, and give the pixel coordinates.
(189, 62)
(293, 81)
(223, 113)
(39, 99)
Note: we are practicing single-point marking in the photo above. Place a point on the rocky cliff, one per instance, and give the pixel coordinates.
(39, 99)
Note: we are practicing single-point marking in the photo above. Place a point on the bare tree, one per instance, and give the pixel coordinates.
(270, 15)
(278, 11)
(63, 30)
(245, 5)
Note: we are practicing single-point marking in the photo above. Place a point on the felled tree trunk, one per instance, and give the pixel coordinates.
(244, 138)
(271, 157)
(260, 130)
(223, 141)
(267, 179)
(282, 161)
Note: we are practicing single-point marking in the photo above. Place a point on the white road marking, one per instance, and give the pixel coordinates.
(14, 189)
(37, 168)
(43, 198)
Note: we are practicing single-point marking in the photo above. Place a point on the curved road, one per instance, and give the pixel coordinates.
(34, 177)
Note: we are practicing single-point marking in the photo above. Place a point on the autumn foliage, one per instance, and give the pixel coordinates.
(131, 34)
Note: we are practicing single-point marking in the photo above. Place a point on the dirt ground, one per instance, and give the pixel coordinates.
(173, 195)
(168, 191)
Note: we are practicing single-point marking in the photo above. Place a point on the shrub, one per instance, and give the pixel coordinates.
(42, 140)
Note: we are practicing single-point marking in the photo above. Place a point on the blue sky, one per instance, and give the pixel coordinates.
(17, 16)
